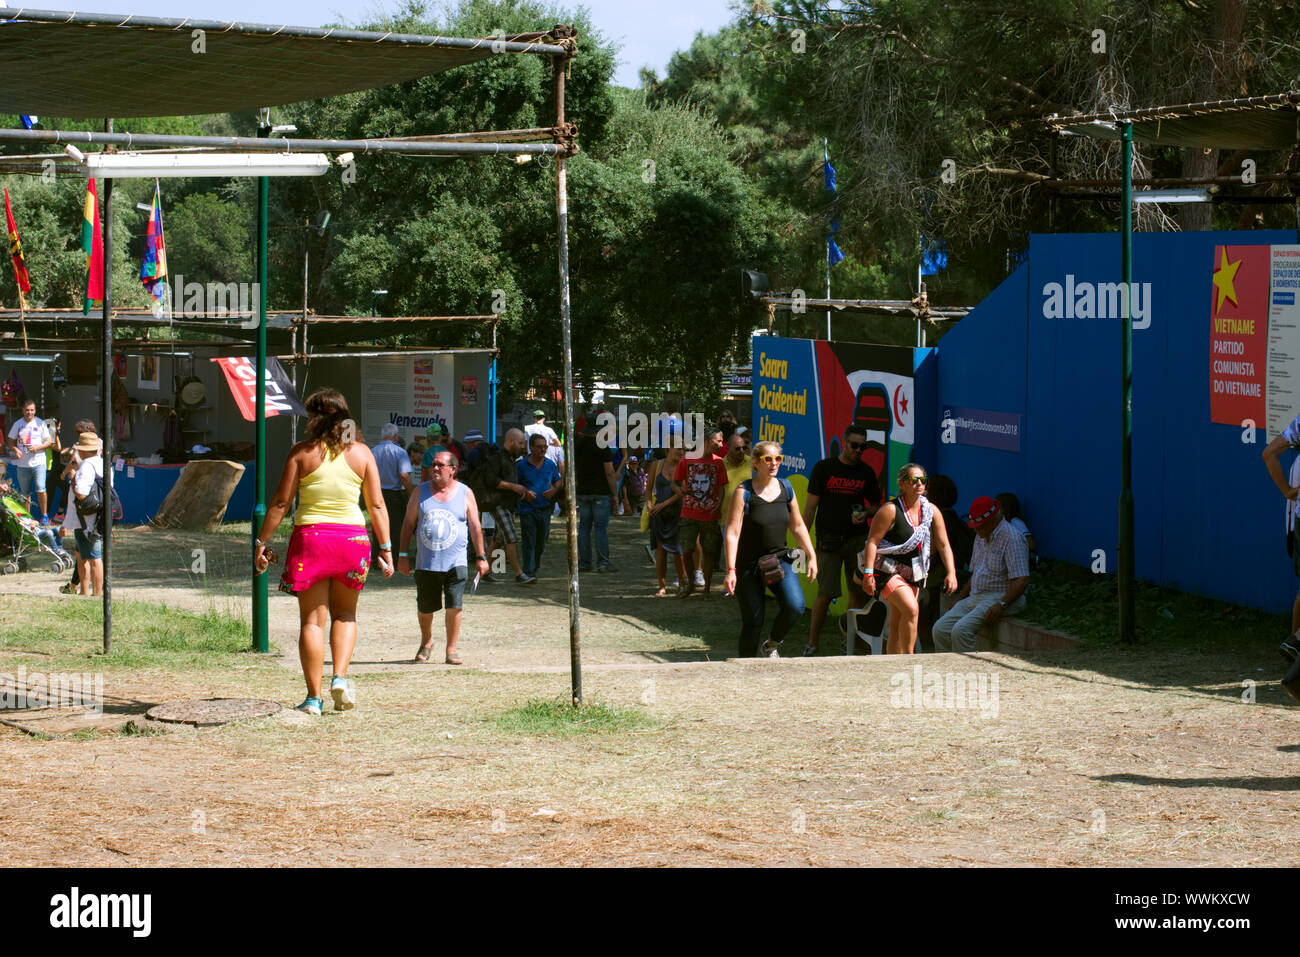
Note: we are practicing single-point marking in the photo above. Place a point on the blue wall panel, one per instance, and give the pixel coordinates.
(1189, 475)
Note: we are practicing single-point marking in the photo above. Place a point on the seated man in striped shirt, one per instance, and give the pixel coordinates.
(999, 576)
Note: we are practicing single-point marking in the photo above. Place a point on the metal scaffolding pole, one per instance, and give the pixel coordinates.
(105, 523)
(1126, 572)
(570, 486)
(261, 623)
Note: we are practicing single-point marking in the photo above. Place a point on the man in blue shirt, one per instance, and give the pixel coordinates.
(540, 479)
(394, 464)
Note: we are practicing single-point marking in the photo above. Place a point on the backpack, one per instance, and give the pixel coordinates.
(484, 474)
(93, 503)
(747, 487)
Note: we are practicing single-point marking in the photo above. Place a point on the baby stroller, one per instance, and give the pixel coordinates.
(23, 540)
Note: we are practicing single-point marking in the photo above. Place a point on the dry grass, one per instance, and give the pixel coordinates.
(1107, 757)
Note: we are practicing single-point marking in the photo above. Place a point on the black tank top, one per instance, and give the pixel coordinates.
(763, 530)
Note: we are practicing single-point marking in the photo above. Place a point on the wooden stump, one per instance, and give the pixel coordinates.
(199, 498)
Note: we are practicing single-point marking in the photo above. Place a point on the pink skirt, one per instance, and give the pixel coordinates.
(316, 553)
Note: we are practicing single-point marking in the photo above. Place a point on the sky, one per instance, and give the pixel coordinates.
(648, 31)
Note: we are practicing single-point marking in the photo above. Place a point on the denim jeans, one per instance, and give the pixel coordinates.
(750, 594)
(959, 629)
(534, 526)
(593, 509)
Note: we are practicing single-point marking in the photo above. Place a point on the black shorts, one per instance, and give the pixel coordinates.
(433, 589)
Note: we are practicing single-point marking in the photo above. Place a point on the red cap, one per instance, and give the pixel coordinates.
(981, 510)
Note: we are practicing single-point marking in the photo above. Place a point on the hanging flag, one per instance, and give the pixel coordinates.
(153, 271)
(28, 121)
(241, 376)
(833, 253)
(934, 256)
(92, 244)
(16, 250)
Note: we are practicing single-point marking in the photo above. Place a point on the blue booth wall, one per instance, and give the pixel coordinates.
(1197, 486)
(143, 492)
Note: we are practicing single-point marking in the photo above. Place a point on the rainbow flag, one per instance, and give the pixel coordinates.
(153, 271)
(16, 250)
(92, 244)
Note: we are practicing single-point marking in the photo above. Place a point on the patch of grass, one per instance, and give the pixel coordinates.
(144, 634)
(558, 716)
(940, 814)
(1072, 599)
(134, 729)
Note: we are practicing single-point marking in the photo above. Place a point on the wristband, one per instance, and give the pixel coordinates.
(868, 573)
(386, 547)
(260, 544)
(731, 569)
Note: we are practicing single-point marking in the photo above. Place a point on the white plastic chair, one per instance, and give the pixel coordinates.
(877, 642)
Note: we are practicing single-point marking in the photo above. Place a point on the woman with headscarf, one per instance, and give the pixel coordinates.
(896, 559)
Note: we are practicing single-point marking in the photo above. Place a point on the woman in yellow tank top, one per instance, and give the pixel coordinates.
(329, 552)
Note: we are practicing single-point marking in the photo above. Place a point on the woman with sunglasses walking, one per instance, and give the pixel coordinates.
(896, 559)
(762, 511)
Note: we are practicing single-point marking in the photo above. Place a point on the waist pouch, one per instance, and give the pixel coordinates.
(769, 566)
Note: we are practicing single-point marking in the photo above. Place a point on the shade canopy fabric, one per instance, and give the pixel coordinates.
(1260, 123)
(97, 65)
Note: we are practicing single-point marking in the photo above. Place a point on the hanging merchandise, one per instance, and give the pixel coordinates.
(121, 409)
(11, 390)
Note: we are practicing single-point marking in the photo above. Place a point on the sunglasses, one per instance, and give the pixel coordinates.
(778, 459)
(857, 445)
(439, 465)
(915, 479)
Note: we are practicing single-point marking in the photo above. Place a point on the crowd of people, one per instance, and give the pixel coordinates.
(458, 506)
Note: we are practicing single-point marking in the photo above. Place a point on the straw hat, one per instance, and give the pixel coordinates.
(87, 442)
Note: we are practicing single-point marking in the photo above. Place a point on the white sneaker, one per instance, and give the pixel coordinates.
(769, 649)
(699, 578)
(341, 692)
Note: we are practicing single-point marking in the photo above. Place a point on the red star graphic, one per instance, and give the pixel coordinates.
(902, 402)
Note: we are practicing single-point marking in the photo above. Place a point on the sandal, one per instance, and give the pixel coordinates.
(662, 592)
(453, 658)
(424, 653)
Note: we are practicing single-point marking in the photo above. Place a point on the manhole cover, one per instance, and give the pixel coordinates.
(213, 711)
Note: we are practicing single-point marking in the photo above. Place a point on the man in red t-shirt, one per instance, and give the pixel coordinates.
(702, 483)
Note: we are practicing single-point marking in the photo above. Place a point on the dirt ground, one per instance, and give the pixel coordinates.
(1097, 757)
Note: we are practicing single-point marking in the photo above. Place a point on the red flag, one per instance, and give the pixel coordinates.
(241, 376)
(16, 249)
(92, 244)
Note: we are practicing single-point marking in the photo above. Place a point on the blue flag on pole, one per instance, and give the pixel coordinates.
(28, 121)
(833, 253)
(934, 256)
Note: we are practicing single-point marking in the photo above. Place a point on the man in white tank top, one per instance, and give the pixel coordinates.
(443, 515)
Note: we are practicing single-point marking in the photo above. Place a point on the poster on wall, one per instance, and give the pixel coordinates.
(147, 377)
(469, 390)
(1283, 338)
(1239, 339)
(411, 393)
(1255, 336)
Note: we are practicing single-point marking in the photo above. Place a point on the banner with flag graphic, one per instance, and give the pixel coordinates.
(153, 271)
(92, 244)
(16, 250)
(281, 397)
